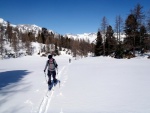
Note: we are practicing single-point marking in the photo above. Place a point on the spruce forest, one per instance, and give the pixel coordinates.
(136, 28)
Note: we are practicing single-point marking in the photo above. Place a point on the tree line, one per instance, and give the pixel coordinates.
(136, 28)
(50, 43)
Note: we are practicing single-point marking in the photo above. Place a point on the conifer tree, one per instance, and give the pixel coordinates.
(139, 15)
(1, 40)
(99, 45)
(15, 43)
(44, 35)
(143, 35)
(9, 32)
(110, 44)
(131, 33)
(48, 44)
(56, 48)
(148, 21)
(59, 43)
(28, 45)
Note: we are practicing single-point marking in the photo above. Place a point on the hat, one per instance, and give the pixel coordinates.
(49, 56)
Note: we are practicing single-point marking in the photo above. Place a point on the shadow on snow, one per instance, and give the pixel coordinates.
(9, 77)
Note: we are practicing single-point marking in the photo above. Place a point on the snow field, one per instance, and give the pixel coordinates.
(89, 85)
(106, 85)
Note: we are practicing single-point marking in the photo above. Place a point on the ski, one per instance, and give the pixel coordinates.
(53, 84)
(58, 81)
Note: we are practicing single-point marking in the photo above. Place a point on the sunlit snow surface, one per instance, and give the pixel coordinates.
(88, 85)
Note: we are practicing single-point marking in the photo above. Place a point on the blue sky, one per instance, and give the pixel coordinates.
(67, 16)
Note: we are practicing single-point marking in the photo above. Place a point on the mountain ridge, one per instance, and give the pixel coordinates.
(34, 28)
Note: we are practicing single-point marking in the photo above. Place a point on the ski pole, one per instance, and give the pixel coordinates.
(57, 74)
(59, 83)
(57, 71)
(45, 77)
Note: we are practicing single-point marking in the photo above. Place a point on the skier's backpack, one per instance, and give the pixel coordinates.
(52, 64)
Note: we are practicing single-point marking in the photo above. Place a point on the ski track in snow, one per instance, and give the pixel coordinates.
(45, 104)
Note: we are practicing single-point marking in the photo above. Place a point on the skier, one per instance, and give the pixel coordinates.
(52, 65)
(69, 60)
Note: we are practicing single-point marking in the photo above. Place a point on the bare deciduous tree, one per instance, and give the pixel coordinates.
(104, 25)
(118, 26)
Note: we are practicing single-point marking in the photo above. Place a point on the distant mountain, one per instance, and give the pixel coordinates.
(86, 36)
(35, 29)
(29, 28)
(2, 22)
(22, 27)
(91, 36)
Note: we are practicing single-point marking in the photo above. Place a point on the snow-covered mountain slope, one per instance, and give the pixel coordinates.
(35, 29)
(92, 36)
(29, 28)
(2, 22)
(23, 27)
(86, 36)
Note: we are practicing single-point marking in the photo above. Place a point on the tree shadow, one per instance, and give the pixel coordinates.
(9, 77)
(6, 93)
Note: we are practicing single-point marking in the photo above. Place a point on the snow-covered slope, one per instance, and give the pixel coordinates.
(90, 85)
(35, 29)
(91, 36)
(2, 22)
(28, 28)
(23, 27)
(86, 36)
